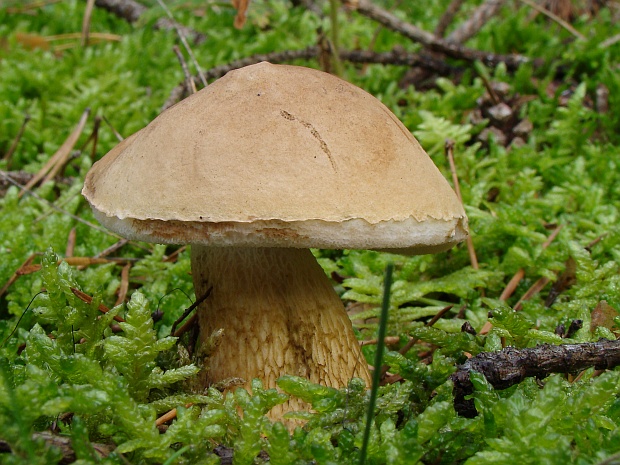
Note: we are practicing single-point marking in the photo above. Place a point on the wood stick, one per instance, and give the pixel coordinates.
(449, 148)
(88, 13)
(49, 170)
(476, 21)
(8, 178)
(166, 417)
(190, 309)
(131, 11)
(114, 131)
(511, 366)
(534, 289)
(88, 299)
(18, 137)
(412, 340)
(451, 49)
(123, 288)
(17, 273)
(394, 57)
(71, 242)
(555, 18)
(447, 17)
(189, 82)
(516, 279)
(62, 155)
(182, 37)
(390, 340)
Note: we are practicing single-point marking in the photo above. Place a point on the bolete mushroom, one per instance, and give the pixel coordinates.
(252, 171)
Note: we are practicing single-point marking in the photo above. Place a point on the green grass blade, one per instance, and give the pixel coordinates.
(376, 376)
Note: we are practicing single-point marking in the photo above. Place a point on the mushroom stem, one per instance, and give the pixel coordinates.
(280, 315)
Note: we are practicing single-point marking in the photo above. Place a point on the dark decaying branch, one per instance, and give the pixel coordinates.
(131, 10)
(394, 57)
(179, 92)
(446, 19)
(478, 18)
(23, 178)
(433, 43)
(511, 366)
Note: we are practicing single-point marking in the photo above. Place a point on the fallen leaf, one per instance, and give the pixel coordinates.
(603, 315)
(242, 7)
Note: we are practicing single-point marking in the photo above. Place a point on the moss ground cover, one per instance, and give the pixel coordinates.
(542, 192)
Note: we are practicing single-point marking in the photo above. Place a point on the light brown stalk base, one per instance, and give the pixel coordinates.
(280, 315)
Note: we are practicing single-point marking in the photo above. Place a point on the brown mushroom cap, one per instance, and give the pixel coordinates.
(277, 156)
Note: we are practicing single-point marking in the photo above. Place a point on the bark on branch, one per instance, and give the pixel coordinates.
(394, 57)
(23, 178)
(436, 44)
(511, 366)
(475, 22)
(130, 10)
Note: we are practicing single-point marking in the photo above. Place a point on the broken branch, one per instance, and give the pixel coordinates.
(130, 10)
(511, 366)
(451, 49)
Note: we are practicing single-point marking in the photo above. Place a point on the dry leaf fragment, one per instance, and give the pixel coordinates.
(32, 41)
(603, 315)
(242, 7)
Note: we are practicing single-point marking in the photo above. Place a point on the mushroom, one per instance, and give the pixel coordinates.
(254, 170)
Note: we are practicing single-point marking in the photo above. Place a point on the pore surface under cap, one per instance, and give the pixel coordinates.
(281, 156)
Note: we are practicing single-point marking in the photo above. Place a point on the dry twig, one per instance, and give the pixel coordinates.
(182, 37)
(6, 176)
(113, 248)
(88, 12)
(71, 242)
(189, 310)
(27, 263)
(88, 299)
(189, 82)
(516, 279)
(476, 21)
(131, 10)
(186, 326)
(113, 129)
(534, 289)
(60, 158)
(168, 416)
(433, 43)
(404, 349)
(449, 148)
(27, 9)
(511, 366)
(123, 288)
(447, 17)
(395, 57)
(609, 42)
(18, 137)
(555, 18)
(389, 340)
(22, 177)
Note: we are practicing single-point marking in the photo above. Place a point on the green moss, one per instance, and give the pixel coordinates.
(60, 355)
